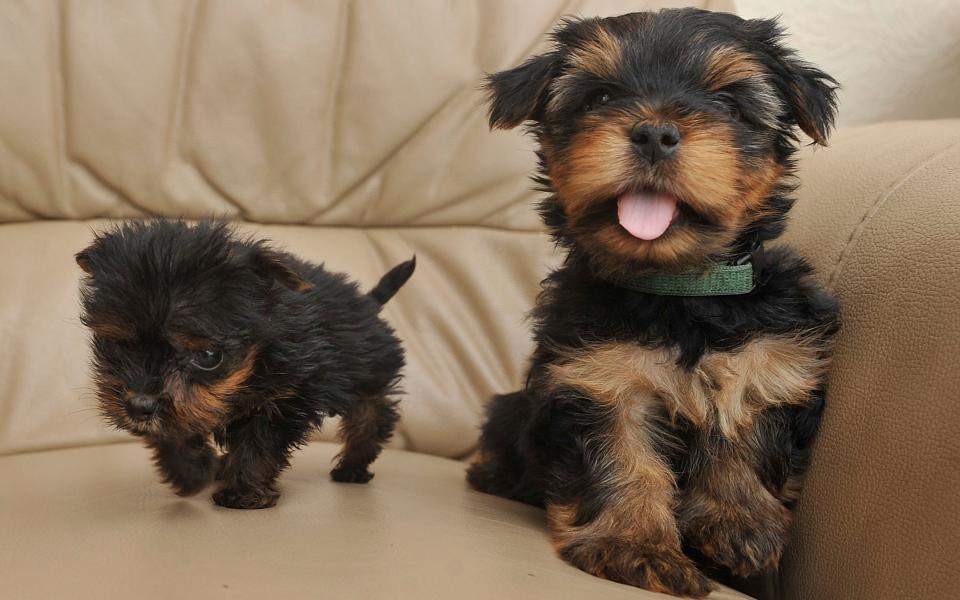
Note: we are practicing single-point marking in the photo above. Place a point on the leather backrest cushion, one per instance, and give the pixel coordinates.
(336, 112)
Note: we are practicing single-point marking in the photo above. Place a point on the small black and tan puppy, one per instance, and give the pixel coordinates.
(678, 377)
(202, 336)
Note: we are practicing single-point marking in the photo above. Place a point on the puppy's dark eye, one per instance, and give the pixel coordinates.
(597, 99)
(727, 104)
(207, 360)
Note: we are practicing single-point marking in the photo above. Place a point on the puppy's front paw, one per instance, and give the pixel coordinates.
(246, 498)
(351, 475)
(190, 473)
(746, 543)
(188, 484)
(655, 568)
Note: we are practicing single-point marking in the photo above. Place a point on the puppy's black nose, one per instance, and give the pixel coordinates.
(655, 142)
(142, 407)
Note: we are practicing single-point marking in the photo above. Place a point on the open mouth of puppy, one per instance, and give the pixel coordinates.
(648, 214)
(643, 216)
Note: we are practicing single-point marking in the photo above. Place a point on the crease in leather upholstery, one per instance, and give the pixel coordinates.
(877, 207)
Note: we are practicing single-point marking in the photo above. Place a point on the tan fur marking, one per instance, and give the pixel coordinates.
(600, 162)
(111, 395)
(110, 329)
(302, 286)
(644, 484)
(628, 544)
(600, 55)
(192, 343)
(726, 388)
(636, 525)
(708, 167)
(360, 426)
(202, 408)
(635, 539)
(620, 375)
(363, 433)
(768, 372)
(790, 492)
(713, 180)
(728, 65)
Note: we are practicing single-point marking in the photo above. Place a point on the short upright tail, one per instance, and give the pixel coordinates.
(393, 281)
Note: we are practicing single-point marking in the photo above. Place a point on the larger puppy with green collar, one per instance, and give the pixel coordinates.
(678, 378)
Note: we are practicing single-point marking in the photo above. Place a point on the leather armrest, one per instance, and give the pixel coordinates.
(879, 217)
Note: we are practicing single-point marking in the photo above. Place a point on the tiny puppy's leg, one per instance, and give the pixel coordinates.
(187, 463)
(365, 427)
(610, 509)
(258, 449)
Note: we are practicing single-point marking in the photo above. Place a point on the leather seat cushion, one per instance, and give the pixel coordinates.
(95, 522)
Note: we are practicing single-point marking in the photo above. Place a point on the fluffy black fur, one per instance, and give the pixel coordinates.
(229, 339)
(576, 309)
(540, 445)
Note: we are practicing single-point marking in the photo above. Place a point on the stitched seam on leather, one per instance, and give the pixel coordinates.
(10, 197)
(180, 81)
(66, 162)
(878, 204)
(396, 150)
(377, 169)
(58, 82)
(80, 166)
(343, 48)
(565, 8)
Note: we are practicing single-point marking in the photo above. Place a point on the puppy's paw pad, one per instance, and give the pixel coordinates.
(246, 499)
(344, 475)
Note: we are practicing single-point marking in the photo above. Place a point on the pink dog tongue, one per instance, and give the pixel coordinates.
(646, 216)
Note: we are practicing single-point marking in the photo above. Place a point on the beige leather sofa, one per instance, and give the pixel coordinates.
(352, 133)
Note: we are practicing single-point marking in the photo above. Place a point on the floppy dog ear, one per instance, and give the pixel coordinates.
(518, 94)
(275, 266)
(83, 260)
(810, 93)
(85, 257)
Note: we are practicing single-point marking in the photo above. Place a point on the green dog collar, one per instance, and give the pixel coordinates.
(721, 280)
